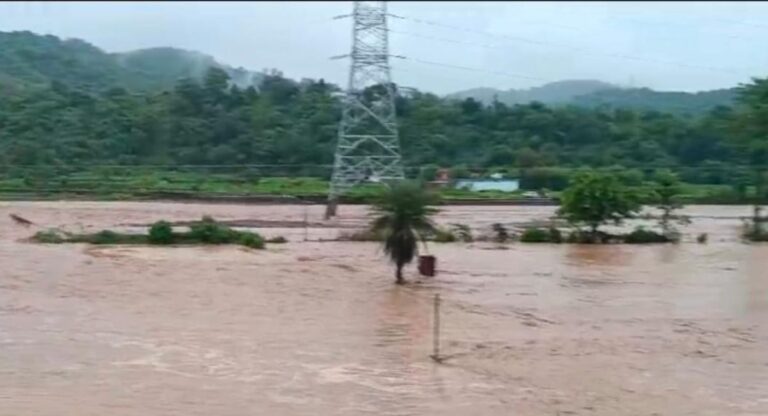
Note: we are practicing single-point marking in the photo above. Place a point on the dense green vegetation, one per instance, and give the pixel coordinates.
(206, 231)
(62, 136)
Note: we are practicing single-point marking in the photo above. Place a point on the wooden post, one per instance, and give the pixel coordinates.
(436, 331)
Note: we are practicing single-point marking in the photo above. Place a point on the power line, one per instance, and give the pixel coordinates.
(457, 42)
(570, 47)
(465, 68)
(452, 41)
(676, 25)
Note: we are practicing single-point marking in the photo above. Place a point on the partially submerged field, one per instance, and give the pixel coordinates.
(319, 328)
(136, 183)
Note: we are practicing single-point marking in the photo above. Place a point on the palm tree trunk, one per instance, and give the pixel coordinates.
(399, 274)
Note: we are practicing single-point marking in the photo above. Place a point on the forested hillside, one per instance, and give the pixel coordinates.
(211, 121)
(561, 92)
(681, 103)
(29, 61)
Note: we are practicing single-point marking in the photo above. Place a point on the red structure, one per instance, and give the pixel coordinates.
(427, 265)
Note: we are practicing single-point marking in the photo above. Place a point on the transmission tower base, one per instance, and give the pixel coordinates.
(331, 207)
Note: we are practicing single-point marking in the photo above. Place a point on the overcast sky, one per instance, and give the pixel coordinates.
(686, 46)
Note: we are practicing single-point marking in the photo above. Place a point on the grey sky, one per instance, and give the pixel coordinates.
(685, 46)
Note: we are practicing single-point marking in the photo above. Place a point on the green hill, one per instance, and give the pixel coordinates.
(28, 60)
(552, 93)
(667, 102)
(594, 94)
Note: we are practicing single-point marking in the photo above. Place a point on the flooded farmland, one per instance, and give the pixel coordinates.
(318, 327)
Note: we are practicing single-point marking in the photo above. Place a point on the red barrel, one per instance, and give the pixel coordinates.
(427, 265)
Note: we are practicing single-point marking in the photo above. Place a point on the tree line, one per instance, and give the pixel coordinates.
(285, 122)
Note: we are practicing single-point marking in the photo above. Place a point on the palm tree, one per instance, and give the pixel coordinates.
(402, 219)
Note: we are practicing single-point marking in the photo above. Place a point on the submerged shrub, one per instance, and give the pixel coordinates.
(539, 235)
(104, 237)
(535, 235)
(251, 240)
(278, 240)
(49, 237)
(444, 236)
(555, 236)
(501, 233)
(462, 232)
(756, 236)
(161, 232)
(211, 232)
(588, 237)
(641, 235)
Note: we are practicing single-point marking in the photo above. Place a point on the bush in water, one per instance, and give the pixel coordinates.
(161, 232)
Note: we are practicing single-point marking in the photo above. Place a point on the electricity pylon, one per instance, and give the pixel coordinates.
(368, 145)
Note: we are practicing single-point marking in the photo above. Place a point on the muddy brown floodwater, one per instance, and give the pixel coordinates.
(319, 328)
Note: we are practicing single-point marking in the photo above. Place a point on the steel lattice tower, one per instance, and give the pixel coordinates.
(368, 145)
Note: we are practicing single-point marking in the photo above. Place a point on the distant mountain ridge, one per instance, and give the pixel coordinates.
(29, 60)
(552, 93)
(592, 94)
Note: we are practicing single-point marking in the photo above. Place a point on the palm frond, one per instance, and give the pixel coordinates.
(402, 215)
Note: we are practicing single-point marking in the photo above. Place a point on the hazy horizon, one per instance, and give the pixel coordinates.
(672, 46)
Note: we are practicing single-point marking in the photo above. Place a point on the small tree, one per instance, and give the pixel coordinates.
(668, 191)
(403, 218)
(594, 199)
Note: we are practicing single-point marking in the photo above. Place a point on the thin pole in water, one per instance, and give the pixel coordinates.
(436, 331)
(305, 220)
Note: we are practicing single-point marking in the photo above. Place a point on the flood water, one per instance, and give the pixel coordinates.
(319, 328)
